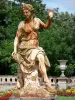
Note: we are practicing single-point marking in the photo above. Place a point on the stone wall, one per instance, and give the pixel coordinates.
(9, 82)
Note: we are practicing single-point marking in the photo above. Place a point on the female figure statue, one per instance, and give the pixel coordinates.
(27, 50)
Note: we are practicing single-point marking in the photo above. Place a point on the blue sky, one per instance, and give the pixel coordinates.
(63, 5)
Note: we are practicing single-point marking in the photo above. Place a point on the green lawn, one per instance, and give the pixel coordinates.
(65, 98)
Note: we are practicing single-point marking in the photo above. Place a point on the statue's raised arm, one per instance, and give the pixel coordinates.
(48, 23)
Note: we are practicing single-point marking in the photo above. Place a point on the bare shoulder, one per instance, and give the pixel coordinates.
(37, 19)
(21, 24)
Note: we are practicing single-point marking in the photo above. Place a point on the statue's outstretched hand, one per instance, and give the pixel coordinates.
(50, 13)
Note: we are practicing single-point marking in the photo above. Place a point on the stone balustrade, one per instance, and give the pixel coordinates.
(7, 79)
(9, 82)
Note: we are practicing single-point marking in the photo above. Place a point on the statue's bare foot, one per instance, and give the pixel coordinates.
(50, 89)
(17, 88)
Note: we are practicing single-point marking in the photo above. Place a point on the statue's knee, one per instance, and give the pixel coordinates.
(40, 57)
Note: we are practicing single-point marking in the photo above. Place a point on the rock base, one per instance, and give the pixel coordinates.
(32, 93)
(31, 98)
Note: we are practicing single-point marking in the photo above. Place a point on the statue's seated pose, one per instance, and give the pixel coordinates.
(30, 57)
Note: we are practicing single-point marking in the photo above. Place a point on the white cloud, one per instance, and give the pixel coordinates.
(11, 0)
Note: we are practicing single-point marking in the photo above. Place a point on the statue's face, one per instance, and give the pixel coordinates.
(27, 13)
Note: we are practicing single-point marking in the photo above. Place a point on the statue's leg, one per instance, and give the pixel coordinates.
(20, 81)
(42, 69)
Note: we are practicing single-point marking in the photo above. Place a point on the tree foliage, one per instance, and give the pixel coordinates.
(58, 41)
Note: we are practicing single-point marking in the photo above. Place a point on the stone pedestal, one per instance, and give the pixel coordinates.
(62, 84)
(32, 87)
(28, 81)
(13, 98)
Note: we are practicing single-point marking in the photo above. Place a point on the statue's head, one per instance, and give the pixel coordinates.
(28, 10)
(28, 7)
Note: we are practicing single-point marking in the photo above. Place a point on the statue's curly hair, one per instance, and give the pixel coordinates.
(28, 7)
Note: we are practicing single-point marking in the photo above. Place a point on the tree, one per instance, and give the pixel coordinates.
(3, 11)
(8, 33)
(70, 70)
(58, 41)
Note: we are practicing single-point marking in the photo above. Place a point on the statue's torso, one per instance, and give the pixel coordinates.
(30, 33)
